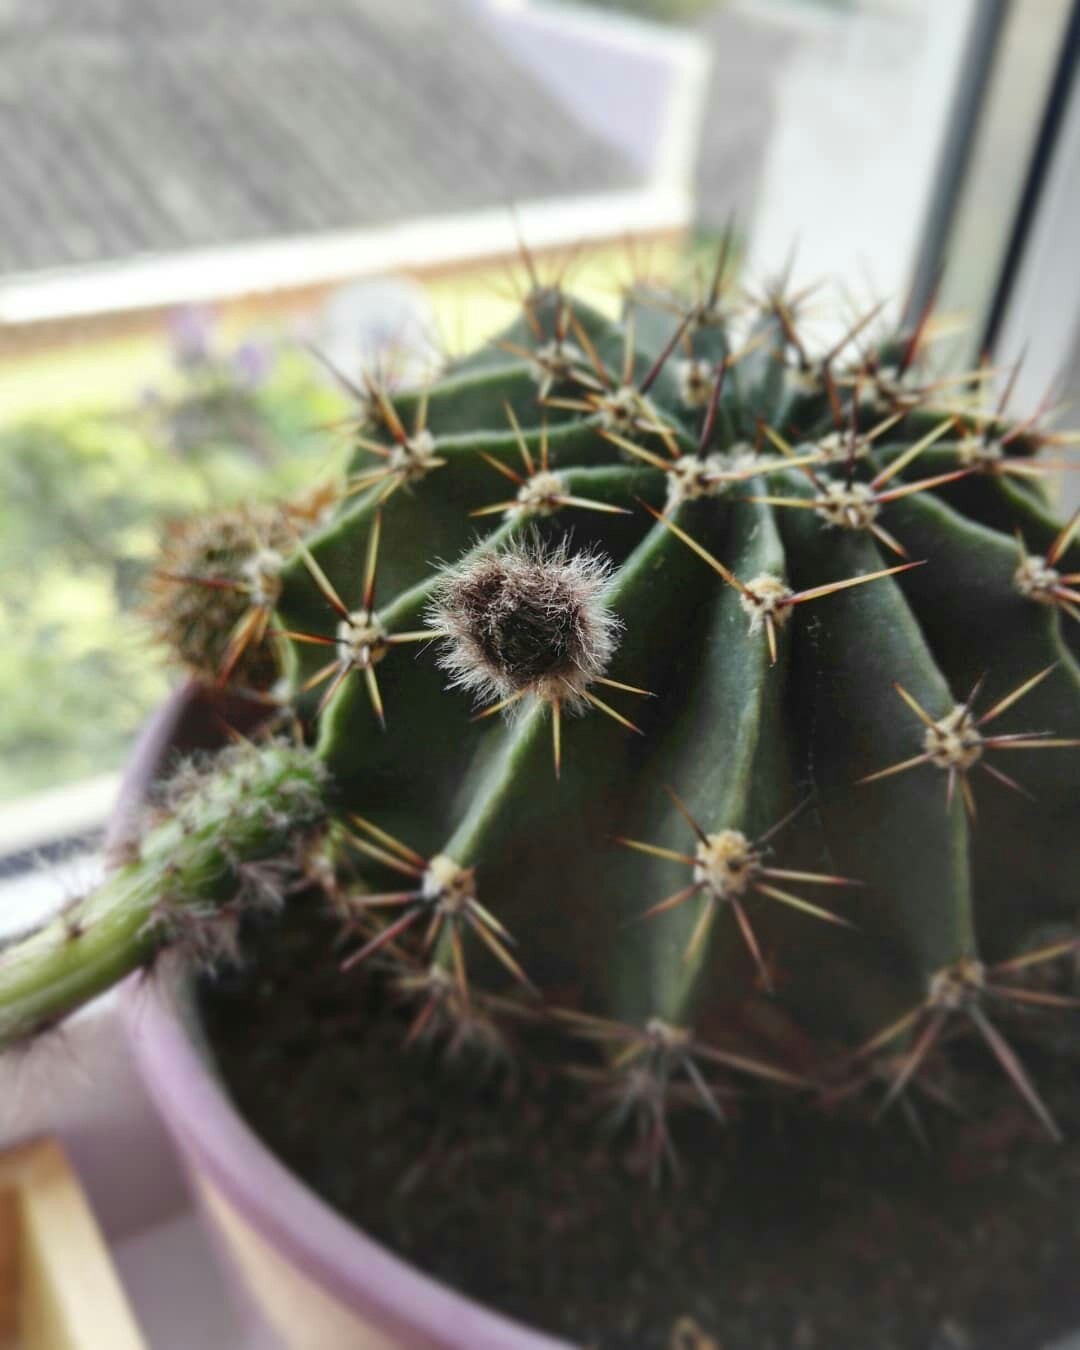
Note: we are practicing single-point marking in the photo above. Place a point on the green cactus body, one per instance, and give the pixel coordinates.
(622, 843)
(741, 740)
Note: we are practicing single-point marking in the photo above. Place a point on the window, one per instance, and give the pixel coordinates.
(177, 230)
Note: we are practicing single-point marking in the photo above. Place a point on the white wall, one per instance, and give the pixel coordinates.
(637, 85)
(860, 118)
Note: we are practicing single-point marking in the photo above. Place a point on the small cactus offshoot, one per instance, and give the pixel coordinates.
(214, 592)
(647, 670)
(230, 837)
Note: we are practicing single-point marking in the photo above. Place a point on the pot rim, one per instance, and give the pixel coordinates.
(332, 1252)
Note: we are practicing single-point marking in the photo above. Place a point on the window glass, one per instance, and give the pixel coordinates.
(195, 192)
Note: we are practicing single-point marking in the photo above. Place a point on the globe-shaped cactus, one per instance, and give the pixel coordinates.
(649, 671)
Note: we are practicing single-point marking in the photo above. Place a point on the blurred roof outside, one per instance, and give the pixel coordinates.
(159, 152)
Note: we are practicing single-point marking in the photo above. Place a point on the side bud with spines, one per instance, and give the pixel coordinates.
(225, 838)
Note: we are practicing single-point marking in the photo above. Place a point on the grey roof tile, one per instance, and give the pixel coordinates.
(135, 126)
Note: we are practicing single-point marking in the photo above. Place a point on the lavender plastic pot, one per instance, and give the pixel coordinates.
(316, 1280)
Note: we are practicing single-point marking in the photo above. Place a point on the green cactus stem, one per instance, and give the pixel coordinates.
(184, 885)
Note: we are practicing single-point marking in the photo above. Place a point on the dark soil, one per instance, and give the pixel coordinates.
(786, 1233)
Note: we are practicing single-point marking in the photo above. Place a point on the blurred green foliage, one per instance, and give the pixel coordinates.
(82, 504)
(684, 11)
(668, 11)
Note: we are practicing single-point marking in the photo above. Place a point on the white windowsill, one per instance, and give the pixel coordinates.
(66, 812)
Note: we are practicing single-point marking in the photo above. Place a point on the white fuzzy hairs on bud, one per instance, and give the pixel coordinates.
(529, 619)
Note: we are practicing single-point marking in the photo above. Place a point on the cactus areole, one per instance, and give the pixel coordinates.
(672, 710)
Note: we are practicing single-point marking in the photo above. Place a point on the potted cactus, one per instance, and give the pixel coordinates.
(645, 899)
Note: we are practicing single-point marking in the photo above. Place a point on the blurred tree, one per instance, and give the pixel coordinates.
(83, 502)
